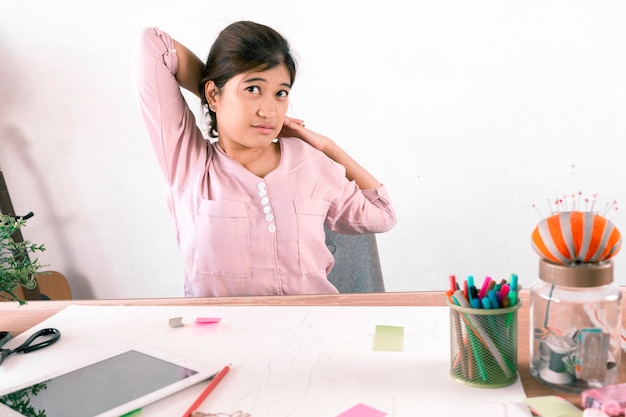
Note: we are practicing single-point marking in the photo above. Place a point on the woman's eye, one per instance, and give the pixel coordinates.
(282, 93)
(253, 89)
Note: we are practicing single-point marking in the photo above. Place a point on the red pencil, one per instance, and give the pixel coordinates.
(207, 391)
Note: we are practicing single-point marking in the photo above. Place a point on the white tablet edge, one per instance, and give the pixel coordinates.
(203, 372)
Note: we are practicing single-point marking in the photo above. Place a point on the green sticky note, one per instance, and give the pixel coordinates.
(553, 406)
(389, 338)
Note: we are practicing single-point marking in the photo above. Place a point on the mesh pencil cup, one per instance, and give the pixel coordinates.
(483, 346)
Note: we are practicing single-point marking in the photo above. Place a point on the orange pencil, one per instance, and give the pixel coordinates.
(207, 391)
(470, 356)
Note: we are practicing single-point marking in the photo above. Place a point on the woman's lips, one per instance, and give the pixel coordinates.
(265, 129)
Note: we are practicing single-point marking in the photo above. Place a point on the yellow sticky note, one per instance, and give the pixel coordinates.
(389, 338)
(553, 406)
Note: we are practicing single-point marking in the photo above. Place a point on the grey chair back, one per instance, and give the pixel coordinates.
(357, 265)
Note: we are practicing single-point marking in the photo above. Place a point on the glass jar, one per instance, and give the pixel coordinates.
(575, 326)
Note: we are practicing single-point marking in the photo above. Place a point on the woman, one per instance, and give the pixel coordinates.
(249, 208)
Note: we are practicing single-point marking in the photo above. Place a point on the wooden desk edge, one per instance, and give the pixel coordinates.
(18, 319)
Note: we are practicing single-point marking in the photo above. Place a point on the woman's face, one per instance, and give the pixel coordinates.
(251, 108)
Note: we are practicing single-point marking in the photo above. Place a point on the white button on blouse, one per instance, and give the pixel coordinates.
(267, 210)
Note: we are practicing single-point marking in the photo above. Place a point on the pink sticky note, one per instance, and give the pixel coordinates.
(206, 320)
(362, 410)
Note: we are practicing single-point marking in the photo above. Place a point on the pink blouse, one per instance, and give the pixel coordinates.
(240, 234)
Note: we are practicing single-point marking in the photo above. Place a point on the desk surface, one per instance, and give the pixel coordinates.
(18, 319)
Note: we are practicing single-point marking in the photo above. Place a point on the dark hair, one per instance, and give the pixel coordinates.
(241, 47)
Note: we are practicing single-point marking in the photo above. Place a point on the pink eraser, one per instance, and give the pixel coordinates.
(207, 320)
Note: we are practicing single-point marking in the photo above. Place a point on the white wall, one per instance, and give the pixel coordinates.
(469, 112)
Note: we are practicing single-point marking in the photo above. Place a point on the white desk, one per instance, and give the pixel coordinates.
(304, 361)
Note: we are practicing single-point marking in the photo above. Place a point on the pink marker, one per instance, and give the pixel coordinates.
(483, 290)
(505, 290)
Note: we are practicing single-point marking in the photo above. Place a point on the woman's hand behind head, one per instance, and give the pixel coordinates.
(294, 128)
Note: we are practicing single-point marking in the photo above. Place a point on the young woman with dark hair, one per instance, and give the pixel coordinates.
(249, 207)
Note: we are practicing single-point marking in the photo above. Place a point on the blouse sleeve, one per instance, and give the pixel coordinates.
(360, 211)
(177, 141)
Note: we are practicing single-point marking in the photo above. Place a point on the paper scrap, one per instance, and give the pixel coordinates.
(176, 322)
(389, 338)
(206, 320)
(362, 410)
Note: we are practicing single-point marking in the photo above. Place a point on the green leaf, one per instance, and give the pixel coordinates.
(16, 267)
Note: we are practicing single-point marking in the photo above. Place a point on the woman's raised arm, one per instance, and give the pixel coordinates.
(189, 68)
(354, 171)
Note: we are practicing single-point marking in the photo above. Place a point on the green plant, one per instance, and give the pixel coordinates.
(20, 400)
(16, 267)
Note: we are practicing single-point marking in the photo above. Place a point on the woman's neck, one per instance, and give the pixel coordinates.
(259, 161)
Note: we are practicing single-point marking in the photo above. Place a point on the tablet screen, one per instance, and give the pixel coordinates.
(99, 387)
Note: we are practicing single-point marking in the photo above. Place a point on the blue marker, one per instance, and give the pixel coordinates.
(473, 292)
(486, 302)
(470, 285)
(513, 282)
(493, 298)
(470, 280)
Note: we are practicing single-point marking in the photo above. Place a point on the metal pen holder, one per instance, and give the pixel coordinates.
(483, 346)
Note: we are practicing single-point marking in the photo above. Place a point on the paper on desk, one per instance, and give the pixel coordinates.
(362, 410)
(553, 406)
(389, 338)
(286, 361)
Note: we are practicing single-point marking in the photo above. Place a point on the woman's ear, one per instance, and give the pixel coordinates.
(210, 91)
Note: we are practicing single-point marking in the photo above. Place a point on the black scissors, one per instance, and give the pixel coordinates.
(49, 336)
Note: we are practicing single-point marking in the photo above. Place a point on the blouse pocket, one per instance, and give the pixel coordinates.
(312, 251)
(223, 238)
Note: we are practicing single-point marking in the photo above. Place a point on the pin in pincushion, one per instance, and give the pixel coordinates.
(575, 237)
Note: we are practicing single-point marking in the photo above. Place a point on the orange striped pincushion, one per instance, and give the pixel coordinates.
(576, 237)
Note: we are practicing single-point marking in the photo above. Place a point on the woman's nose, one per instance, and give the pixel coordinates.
(267, 109)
